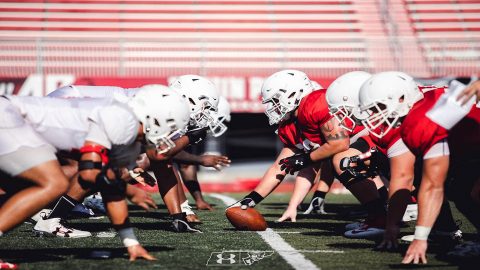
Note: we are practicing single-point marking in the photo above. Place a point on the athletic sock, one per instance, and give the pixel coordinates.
(63, 207)
(375, 208)
(319, 194)
(257, 198)
(192, 186)
(383, 192)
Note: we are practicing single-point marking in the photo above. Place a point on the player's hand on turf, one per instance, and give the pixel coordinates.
(295, 163)
(289, 214)
(470, 91)
(138, 251)
(203, 205)
(416, 252)
(143, 199)
(389, 241)
(215, 161)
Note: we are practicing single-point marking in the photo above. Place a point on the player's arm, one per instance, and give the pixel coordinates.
(180, 144)
(470, 91)
(336, 140)
(430, 197)
(213, 161)
(270, 180)
(401, 183)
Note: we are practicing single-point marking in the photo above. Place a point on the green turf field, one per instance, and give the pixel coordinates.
(318, 238)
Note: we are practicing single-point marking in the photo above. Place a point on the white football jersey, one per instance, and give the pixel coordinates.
(67, 123)
(78, 91)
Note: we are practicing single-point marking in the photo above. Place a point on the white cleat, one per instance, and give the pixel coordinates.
(316, 206)
(40, 215)
(57, 227)
(411, 213)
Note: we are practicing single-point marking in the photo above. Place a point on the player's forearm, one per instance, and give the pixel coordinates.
(328, 149)
(186, 158)
(430, 195)
(180, 144)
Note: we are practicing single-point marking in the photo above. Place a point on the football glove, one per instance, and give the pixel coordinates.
(295, 163)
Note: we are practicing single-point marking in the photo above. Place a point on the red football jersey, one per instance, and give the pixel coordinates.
(387, 140)
(420, 133)
(313, 113)
(289, 134)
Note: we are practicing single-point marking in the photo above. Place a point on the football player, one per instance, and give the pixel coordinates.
(342, 99)
(309, 133)
(394, 102)
(188, 170)
(108, 135)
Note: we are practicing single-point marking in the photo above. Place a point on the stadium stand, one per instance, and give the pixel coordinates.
(325, 38)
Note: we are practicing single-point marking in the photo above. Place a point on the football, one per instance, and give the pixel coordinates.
(246, 220)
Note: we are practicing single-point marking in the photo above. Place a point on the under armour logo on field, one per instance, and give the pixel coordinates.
(299, 162)
(237, 257)
(229, 260)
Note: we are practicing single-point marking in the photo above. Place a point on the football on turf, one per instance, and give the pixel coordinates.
(246, 220)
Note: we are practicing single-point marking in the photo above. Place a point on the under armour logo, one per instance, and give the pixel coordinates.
(237, 257)
(229, 260)
(299, 162)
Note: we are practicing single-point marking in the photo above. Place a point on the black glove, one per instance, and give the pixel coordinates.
(295, 163)
(196, 136)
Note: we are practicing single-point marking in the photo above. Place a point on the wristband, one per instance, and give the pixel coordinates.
(128, 237)
(422, 232)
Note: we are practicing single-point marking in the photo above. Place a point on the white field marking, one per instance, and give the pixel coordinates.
(106, 234)
(288, 253)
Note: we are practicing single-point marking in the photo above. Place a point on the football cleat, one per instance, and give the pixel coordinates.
(81, 211)
(411, 213)
(182, 226)
(40, 215)
(57, 227)
(365, 232)
(354, 225)
(95, 202)
(316, 207)
(466, 250)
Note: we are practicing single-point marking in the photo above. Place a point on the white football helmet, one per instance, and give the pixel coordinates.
(202, 97)
(282, 93)
(163, 113)
(222, 115)
(386, 97)
(342, 99)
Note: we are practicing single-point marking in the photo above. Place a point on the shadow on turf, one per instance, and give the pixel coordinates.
(61, 254)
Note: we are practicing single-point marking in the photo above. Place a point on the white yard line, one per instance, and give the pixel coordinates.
(290, 254)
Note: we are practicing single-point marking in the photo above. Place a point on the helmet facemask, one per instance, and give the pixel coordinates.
(344, 115)
(276, 110)
(162, 142)
(380, 116)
